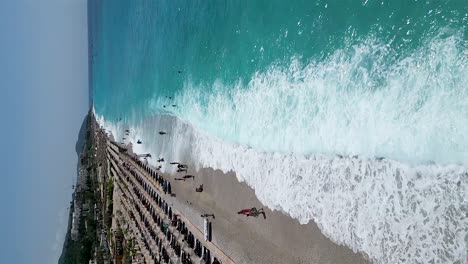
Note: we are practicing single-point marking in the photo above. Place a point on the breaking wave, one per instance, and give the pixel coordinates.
(307, 136)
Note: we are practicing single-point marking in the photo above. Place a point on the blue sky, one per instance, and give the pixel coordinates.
(44, 93)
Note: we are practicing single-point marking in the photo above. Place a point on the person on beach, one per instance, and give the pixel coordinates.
(199, 189)
(174, 163)
(252, 212)
(189, 176)
(161, 160)
(182, 166)
(181, 170)
(162, 133)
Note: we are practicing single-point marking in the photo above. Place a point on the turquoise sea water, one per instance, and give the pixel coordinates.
(275, 89)
(377, 78)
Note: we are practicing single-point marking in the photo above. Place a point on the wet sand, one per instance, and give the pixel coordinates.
(276, 239)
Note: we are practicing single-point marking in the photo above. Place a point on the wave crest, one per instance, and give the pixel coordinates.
(357, 102)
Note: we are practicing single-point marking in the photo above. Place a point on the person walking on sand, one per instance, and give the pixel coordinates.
(252, 212)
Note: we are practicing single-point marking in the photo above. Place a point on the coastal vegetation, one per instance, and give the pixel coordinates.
(82, 248)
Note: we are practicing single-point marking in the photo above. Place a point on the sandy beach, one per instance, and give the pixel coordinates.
(276, 239)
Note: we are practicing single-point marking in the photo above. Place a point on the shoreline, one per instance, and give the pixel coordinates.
(340, 192)
(277, 239)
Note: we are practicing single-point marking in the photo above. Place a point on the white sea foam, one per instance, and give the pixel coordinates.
(270, 131)
(393, 212)
(360, 101)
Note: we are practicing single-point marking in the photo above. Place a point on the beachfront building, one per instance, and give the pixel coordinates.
(77, 206)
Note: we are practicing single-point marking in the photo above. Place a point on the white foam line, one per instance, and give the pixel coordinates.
(392, 211)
